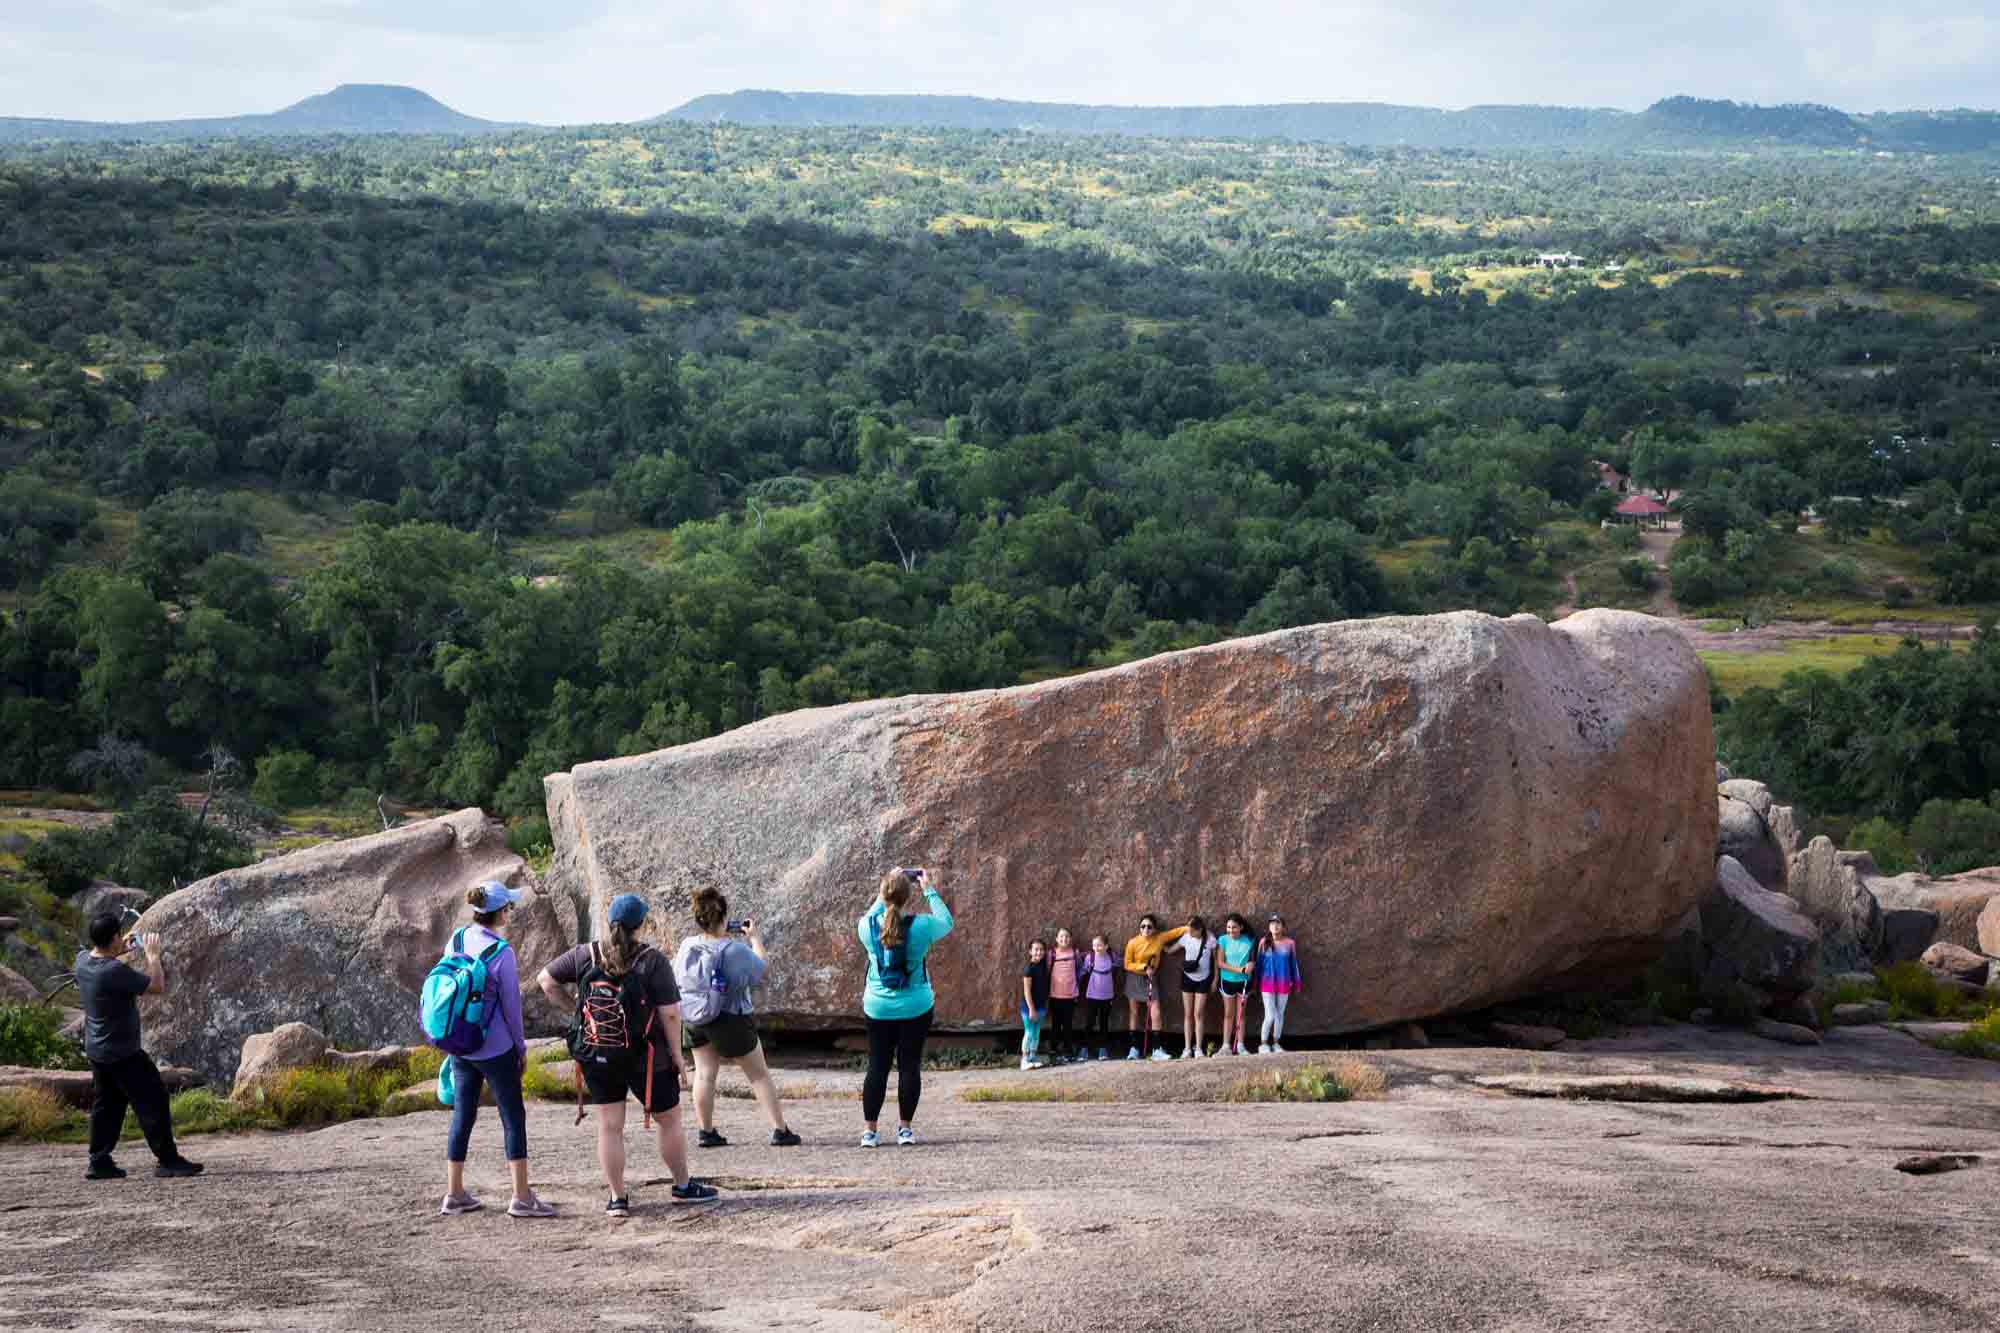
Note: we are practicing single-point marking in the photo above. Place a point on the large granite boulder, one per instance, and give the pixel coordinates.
(339, 936)
(1450, 811)
(1989, 929)
(1756, 938)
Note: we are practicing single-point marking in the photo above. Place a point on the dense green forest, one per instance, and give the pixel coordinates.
(426, 466)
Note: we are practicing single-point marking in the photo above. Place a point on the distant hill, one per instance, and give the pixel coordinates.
(352, 108)
(1675, 121)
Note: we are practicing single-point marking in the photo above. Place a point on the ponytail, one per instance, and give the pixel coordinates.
(619, 949)
(895, 891)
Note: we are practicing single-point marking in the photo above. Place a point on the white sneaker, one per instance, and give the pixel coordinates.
(1132, 1054)
(1277, 1048)
(1240, 1050)
(1103, 1054)
(906, 1137)
(1161, 1055)
(1264, 1049)
(870, 1139)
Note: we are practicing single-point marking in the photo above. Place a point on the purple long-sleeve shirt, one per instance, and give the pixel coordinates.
(504, 1033)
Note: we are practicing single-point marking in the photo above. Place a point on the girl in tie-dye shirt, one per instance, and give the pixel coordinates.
(1278, 980)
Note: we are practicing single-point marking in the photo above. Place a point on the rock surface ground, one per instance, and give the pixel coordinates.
(1442, 1207)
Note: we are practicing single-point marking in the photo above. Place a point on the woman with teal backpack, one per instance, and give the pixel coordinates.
(898, 1002)
(499, 1060)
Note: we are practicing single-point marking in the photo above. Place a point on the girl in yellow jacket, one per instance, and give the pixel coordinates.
(1142, 961)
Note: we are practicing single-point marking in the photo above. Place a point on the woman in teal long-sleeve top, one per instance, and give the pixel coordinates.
(898, 1002)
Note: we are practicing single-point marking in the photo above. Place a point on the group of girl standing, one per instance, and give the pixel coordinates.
(1056, 980)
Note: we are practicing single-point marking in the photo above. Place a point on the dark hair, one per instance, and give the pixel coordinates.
(1236, 919)
(1031, 947)
(477, 895)
(1150, 917)
(103, 929)
(711, 909)
(1197, 925)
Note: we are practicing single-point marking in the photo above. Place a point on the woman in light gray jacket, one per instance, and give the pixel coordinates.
(726, 969)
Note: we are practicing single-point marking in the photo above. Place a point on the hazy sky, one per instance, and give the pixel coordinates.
(567, 61)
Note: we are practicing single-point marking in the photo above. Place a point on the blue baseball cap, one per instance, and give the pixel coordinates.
(628, 910)
(493, 895)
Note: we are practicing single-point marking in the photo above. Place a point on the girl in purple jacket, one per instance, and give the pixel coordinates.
(1098, 971)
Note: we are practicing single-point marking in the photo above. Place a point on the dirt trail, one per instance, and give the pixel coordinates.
(1442, 1207)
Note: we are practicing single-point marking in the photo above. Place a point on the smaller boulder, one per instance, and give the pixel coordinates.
(1527, 1036)
(1948, 960)
(289, 1046)
(1989, 927)
(1411, 1037)
(16, 989)
(1856, 979)
(9, 924)
(1749, 791)
(1855, 1015)
(1754, 937)
(1792, 1034)
(372, 1062)
(1783, 822)
(104, 896)
(1741, 835)
(1907, 930)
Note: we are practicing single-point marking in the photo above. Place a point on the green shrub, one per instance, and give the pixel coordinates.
(528, 836)
(201, 1111)
(1956, 835)
(1636, 572)
(1981, 1040)
(286, 780)
(1623, 538)
(1913, 992)
(539, 1083)
(1884, 841)
(66, 860)
(31, 1035)
(35, 1114)
(1033, 1092)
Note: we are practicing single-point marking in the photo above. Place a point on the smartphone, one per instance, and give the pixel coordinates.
(738, 927)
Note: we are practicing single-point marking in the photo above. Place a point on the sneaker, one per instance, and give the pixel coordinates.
(1240, 1050)
(1264, 1049)
(710, 1138)
(1103, 1054)
(870, 1139)
(784, 1138)
(105, 1170)
(1277, 1048)
(530, 1207)
(906, 1137)
(1132, 1054)
(1161, 1055)
(694, 1192)
(178, 1169)
(618, 1208)
(454, 1204)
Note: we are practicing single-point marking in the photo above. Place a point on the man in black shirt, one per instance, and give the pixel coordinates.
(122, 1074)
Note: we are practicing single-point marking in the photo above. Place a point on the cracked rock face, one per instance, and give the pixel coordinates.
(1449, 811)
(339, 936)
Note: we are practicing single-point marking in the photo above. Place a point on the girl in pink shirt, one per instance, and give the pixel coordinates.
(1065, 978)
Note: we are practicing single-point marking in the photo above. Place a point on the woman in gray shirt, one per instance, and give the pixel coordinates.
(721, 971)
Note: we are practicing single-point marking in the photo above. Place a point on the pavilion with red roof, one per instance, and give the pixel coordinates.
(1641, 509)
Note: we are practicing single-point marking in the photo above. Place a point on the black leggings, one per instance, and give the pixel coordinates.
(1063, 1012)
(901, 1040)
(1096, 1018)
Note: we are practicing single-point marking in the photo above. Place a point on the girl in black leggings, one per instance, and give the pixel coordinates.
(898, 1003)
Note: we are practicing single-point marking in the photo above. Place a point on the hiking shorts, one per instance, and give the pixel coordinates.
(1138, 986)
(1194, 986)
(1234, 987)
(608, 1085)
(733, 1035)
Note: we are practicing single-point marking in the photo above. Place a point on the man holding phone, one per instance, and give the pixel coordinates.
(122, 1074)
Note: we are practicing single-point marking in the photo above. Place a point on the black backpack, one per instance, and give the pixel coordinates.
(614, 1020)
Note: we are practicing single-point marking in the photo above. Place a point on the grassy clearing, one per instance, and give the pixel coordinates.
(1839, 654)
(1913, 992)
(1032, 1092)
(1341, 1078)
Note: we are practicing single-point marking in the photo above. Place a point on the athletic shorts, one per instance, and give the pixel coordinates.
(608, 1085)
(733, 1035)
(1138, 986)
(1189, 986)
(1237, 987)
